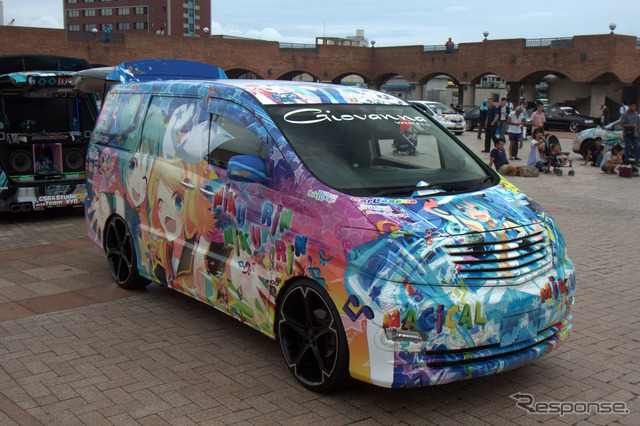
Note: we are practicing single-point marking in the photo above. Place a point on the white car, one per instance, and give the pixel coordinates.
(445, 115)
(585, 140)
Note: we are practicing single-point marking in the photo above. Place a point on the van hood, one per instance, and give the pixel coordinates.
(499, 207)
(497, 236)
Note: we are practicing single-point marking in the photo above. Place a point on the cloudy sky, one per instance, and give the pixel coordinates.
(392, 23)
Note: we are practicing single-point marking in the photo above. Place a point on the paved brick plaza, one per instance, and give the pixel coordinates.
(75, 349)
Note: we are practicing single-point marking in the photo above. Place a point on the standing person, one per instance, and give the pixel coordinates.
(623, 108)
(537, 118)
(449, 45)
(515, 122)
(498, 158)
(504, 115)
(523, 104)
(107, 34)
(491, 124)
(482, 118)
(537, 144)
(630, 122)
(605, 115)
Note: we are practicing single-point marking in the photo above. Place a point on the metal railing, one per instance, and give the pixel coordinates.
(554, 43)
(98, 37)
(296, 46)
(438, 48)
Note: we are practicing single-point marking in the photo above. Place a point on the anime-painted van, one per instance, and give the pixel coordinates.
(283, 205)
(45, 127)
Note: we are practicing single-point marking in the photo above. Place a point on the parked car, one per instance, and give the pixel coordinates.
(285, 205)
(585, 140)
(565, 118)
(45, 126)
(472, 119)
(445, 115)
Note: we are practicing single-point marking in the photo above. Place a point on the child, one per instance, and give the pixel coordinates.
(612, 159)
(562, 159)
(594, 152)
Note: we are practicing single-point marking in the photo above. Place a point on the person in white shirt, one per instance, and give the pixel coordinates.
(624, 108)
(515, 122)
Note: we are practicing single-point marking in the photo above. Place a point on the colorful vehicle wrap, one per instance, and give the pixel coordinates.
(611, 135)
(45, 128)
(430, 288)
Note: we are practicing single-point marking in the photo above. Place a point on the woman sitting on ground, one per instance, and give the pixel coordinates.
(612, 159)
(537, 145)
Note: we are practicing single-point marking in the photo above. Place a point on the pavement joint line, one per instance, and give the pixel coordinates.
(16, 413)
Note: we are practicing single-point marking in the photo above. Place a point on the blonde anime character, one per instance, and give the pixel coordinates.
(179, 217)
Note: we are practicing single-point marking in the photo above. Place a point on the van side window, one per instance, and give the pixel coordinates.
(229, 138)
(176, 127)
(120, 121)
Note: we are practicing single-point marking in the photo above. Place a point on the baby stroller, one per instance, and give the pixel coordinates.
(556, 158)
(408, 141)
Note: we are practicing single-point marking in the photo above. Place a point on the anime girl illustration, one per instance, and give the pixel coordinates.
(179, 218)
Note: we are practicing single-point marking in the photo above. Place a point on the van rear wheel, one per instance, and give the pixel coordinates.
(312, 338)
(121, 255)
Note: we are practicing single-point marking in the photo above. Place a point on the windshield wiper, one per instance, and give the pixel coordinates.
(445, 187)
(396, 191)
(479, 184)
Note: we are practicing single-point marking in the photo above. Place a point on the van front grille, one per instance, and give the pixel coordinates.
(504, 257)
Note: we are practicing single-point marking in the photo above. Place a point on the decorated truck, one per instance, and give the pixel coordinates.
(45, 126)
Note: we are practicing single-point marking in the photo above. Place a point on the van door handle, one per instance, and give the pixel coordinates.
(187, 185)
(206, 192)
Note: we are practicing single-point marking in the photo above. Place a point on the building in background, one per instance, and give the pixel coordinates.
(188, 17)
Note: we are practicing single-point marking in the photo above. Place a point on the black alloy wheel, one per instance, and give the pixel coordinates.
(312, 338)
(121, 255)
(574, 127)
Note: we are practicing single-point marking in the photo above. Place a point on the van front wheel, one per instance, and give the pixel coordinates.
(312, 338)
(121, 255)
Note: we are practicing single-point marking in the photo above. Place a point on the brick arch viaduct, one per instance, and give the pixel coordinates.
(609, 64)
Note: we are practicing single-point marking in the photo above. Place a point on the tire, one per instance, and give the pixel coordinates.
(121, 255)
(468, 125)
(574, 127)
(558, 172)
(571, 173)
(587, 146)
(312, 338)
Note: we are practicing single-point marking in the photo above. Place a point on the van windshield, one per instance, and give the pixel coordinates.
(379, 150)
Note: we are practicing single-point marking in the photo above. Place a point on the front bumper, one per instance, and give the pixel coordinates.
(455, 333)
(413, 369)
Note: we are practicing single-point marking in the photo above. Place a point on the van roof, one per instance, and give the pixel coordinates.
(272, 92)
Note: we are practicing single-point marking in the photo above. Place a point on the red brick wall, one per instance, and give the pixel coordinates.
(597, 58)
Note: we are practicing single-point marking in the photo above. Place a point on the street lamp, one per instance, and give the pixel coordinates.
(205, 30)
(485, 34)
(373, 43)
(612, 27)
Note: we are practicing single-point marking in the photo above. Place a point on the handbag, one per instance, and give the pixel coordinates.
(625, 171)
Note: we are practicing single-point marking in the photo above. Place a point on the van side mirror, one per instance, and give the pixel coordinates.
(246, 168)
